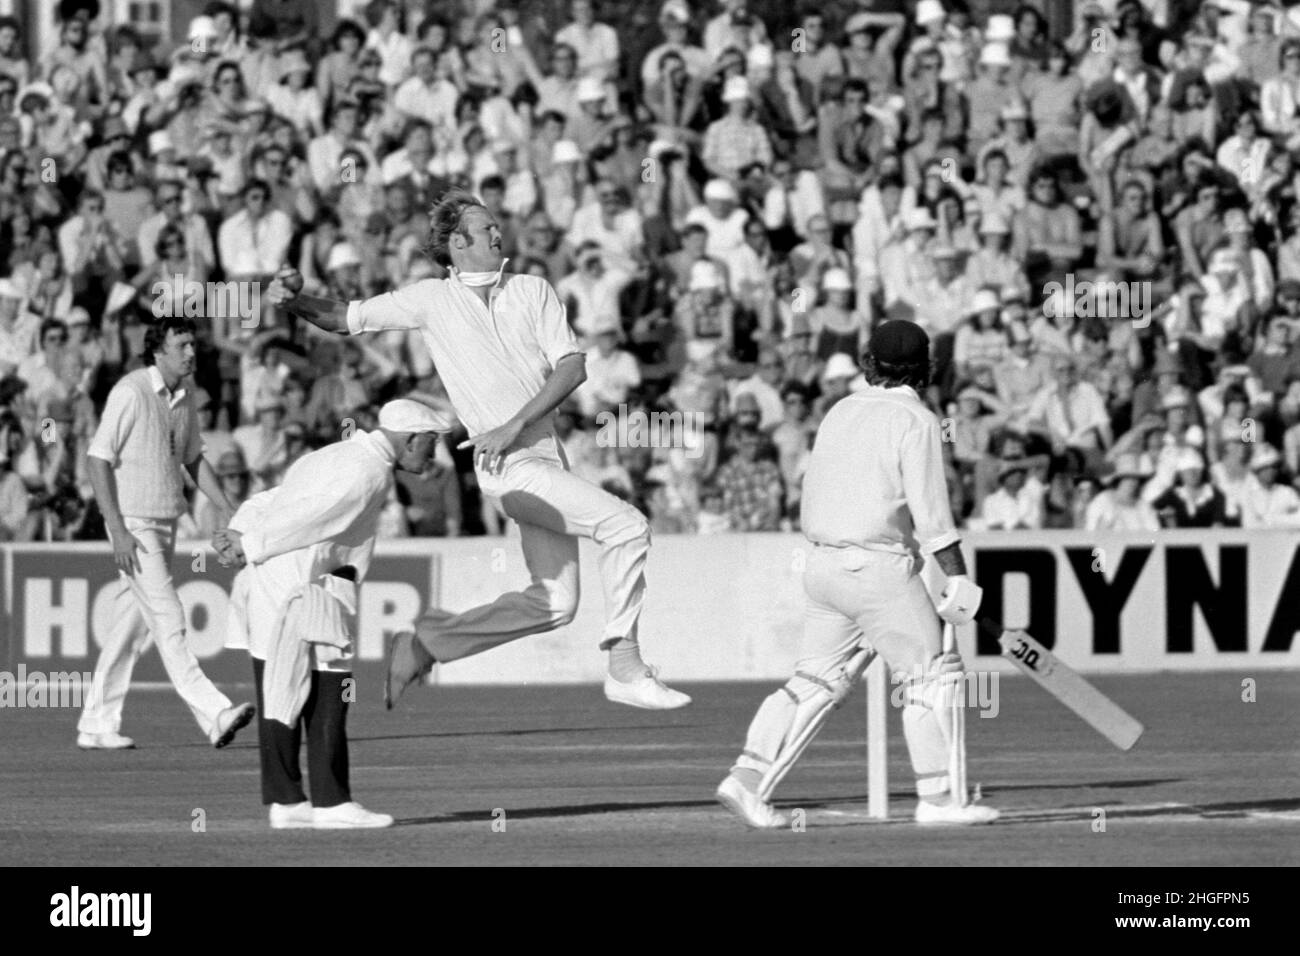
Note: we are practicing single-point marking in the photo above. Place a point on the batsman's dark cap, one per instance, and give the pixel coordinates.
(899, 342)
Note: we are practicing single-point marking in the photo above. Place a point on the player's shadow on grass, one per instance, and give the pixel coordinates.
(603, 729)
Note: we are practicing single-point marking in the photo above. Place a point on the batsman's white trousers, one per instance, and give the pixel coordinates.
(153, 592)
(553, 508)
(855, 597)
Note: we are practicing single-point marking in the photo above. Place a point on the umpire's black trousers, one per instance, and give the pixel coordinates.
(325, 717)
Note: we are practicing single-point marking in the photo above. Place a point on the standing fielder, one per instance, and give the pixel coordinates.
(503, 346)
(306, 546)
(875, 500)
(150, 429)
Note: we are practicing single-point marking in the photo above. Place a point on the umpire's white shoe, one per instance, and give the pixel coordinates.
(230, 722)
(291, 816)
(105, 741)
(952, 815)
(348, 816)
(647, 692)
(749, 806)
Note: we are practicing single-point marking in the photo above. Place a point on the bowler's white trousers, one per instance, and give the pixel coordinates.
(855, 597)
(553, 508)
(153, 592)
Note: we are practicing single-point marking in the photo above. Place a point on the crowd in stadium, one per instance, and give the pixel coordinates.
(1091, 208)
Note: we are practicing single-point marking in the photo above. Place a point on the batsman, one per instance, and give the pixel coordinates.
(875, 507)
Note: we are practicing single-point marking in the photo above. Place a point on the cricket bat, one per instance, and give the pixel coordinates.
(1066, 685)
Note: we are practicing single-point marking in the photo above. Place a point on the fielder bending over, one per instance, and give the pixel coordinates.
(306, 546)
(875, 500)
(505, 351)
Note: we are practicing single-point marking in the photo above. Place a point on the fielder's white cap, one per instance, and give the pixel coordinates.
(411, 417)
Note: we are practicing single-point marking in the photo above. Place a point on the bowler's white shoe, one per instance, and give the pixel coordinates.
(751, 808)
(105, 741)
(348, 816)
(291, 816)
(952, 815)
(230, 722)
(647, 692)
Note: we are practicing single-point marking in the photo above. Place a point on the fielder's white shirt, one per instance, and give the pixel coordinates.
(147, 435)
(323, 517)
(492, 360)
(876, 478)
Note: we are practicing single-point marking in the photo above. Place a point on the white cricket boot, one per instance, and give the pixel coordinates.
(348, 816)
(647, 692)
(291, 816)
(109, 740)
(953, 815)
(749, 806)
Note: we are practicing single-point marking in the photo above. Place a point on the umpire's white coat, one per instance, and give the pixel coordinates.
(322, 517)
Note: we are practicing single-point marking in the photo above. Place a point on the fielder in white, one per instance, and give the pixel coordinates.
(875, 506)
(503, 347)
(306, 547)
(149, 431)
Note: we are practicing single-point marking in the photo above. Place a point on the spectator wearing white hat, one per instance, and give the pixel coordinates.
(1193, 502)
(736, 140)
(838, 324)
(1228, 305)
(560, 188)
(612, 372)
(705, 318)
(596, 43)
(1267, 503)
(294, 97)
(992, 90)
(724, 218)
(1016, 505)
(992, 263)
(1119, 507)
(980, 339)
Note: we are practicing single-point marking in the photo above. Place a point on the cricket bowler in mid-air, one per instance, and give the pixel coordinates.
(875, 505)
(503, 347)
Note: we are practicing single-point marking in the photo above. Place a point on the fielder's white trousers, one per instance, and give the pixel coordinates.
(553, 508)
(151, 591)
(855, 597)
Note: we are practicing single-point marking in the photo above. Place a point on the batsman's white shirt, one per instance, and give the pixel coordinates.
(875, 478)
(322, 517)
(493, 360)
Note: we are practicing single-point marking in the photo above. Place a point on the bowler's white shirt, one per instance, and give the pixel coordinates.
(493, 361)
(876, 479)
(322, 517)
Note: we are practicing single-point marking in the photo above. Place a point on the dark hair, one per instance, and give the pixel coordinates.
(447, 217)
(56, 325)
(856, 83)
(494, 182)
(255, 183)
(165, 234)
(889, 375)
(155, 337)
(119, 160)
(346, 26)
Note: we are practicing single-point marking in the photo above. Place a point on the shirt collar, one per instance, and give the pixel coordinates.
(158, 385)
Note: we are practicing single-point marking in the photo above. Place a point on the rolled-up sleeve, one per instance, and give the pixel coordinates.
(399, 310)
(926, 486)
